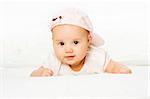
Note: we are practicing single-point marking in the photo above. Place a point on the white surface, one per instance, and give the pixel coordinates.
(16, 83)
(25, 35)
(24, 42)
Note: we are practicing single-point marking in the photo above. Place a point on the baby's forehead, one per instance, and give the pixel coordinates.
(68, 29)
(69, 33)
(75, 36)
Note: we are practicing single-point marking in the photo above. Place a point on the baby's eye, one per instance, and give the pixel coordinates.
(76, 42)
(61, 43)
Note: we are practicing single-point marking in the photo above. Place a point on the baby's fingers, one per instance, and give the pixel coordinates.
(125, 70)
(47, 72)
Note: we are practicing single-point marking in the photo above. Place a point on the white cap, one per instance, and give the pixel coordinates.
(76, 17)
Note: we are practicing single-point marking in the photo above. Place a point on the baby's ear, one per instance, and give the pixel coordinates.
(89, 38)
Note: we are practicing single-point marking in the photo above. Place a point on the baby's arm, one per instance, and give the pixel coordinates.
(117, 68)
(42, 72)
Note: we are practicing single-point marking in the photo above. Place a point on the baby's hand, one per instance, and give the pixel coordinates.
(117, 68)
(42, 72)
(122, 70)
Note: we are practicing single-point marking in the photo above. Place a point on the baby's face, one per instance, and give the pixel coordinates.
(70, 43)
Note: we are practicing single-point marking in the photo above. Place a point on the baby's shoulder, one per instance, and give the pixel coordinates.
(97, 51)
(96, 59)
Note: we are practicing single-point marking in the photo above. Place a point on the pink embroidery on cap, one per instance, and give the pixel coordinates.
(54, 19)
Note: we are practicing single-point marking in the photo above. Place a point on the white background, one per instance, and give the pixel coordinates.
(25, 36)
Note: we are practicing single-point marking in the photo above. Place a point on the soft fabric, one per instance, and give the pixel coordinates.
(95, 62)
(74, 16)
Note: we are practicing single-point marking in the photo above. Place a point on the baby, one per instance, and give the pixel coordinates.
(76, 49)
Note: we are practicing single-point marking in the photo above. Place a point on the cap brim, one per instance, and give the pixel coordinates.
(97, 40)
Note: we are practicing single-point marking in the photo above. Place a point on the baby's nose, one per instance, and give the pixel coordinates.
(68, 49)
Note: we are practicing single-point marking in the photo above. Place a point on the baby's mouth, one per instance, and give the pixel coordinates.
(69, 57)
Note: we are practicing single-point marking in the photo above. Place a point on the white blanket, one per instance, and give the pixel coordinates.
(16, 83)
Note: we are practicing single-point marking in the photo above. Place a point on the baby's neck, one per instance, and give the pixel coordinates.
(77, 67)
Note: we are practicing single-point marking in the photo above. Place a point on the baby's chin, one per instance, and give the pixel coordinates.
(70, 62)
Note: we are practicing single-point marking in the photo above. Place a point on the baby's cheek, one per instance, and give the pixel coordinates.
(59, 54)
(82, 53)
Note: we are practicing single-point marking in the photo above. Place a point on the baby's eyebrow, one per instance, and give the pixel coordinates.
(58, 40)
(77, 39)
